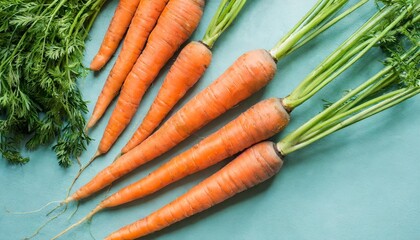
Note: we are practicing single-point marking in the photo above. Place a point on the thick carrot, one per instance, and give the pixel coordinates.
(252, 167)
(247, 75)
(116, 30)
(175, 25)
(258, 123)
(263, 160)
(189, 66)
(142, 24)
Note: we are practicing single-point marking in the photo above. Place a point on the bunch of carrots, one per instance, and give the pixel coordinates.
(251, 72)
(260, 122)
(248, 74)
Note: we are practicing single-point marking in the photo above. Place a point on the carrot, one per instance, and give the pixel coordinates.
(262, 161)
(248, 74)
(116, 30)
(255, 67)
(147, 14)
(252, 167)
(187, 69)
(175, 25)
(260, 122)
(245, 77)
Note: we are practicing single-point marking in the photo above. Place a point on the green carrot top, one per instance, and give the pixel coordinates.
(390, 18)
(227, 11)
(396, 82)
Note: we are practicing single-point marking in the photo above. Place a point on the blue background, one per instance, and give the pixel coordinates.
(360, 183)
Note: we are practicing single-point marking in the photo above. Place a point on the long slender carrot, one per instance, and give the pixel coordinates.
(147, 14)
(187, 69)
(258, 123)
(262, 161)
(175, 25)
(116, 30)
(251, 71)
(252, 167)
(238, 82)
(248, 74)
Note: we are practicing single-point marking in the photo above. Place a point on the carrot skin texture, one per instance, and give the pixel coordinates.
(116, 30)
(248, 74)
(261, 121)
(253, 166)
(187, 69)
(176, 24)
(143, 22)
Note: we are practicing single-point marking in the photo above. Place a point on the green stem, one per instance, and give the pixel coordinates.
(352, 107)
(227, 11)
(310, 22)
(328, 25)
(400, 96)
(313, 83)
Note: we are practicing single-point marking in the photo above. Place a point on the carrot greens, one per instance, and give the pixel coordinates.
(41, 51)
(391, 18)
(398, 81)
(226, 13)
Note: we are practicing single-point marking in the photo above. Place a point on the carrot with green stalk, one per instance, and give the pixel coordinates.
(187, 69)
(141, 77)
(247, 75)
(263, 160)
(264, 119)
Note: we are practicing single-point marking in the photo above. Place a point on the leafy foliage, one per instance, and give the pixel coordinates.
(41, 49)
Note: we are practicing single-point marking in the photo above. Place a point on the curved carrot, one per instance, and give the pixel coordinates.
(116, 30)
(252, 167)
(187, 69)
(258, 123)
(141, 25)
(175, 25)
(248, 74)
(189, 66)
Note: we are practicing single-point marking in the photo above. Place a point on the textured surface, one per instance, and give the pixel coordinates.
(360, 183)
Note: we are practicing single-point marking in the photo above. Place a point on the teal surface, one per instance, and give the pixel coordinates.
(360, 183)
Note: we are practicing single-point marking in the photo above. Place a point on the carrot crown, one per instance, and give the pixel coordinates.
(225, 14)
(381, 26)
(396, 82)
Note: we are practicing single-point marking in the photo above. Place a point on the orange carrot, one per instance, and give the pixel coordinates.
(116, 30)
(248, 74)
(189, 66)
(245, 76)
(175, 25)
(252, 167)
(142, 24)
(258, 123)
